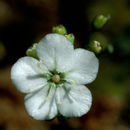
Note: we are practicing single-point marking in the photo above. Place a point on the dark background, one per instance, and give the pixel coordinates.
(23, 22)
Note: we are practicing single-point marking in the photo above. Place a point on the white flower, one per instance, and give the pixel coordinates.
(55, 83)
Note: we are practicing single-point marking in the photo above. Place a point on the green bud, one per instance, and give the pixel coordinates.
(95, 46)
(32, 51)
(59, 29)
(110, 48)
(100, 21)
(70, 37)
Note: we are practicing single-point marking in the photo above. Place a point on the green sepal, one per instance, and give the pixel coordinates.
(60, 29)
(31, 51)
(70, 37)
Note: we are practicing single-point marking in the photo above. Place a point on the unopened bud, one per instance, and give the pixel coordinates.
(110, 48)
(60, 29)
(95, 46)
(32, 51)
(100, 21)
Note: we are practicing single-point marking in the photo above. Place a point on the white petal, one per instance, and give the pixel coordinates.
(55, 50)
(39, 106)
(26, 76)
(85, 67)
(75, 102)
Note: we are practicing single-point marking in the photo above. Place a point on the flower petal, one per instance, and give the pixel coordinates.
(26, 75)
(54, 50)
(85, 67)
(75, 102)
(39, 106)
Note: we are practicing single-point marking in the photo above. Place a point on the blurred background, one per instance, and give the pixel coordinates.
(23, 22)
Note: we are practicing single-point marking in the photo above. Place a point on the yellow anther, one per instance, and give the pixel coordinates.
(59, 102)
(81, 90)
(49, 93)
(30, 90)
(47, 98)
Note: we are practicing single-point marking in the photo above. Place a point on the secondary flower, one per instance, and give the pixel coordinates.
(55, 83)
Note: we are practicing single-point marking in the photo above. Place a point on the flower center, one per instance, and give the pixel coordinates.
(56, 78)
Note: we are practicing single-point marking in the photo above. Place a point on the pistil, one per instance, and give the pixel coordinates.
(56, 78)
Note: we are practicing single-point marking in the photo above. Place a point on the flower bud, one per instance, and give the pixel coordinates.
(110, 48)
(59, 29)
(70, 37)
(32, 51)
(100, 21)
(95, 46)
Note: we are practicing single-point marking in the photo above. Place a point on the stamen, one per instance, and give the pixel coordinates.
(49, 93)
(81, 90)
(30, 90)
(42, 69)
(58, 97)
(67, 94)
(59, 103)
(47, 97)
(72, 81)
